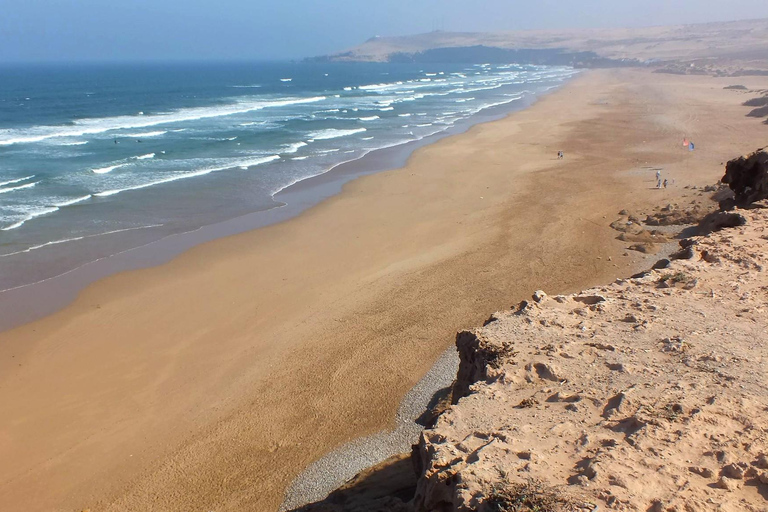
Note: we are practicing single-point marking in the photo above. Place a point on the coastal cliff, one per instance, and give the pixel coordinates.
(644, 395)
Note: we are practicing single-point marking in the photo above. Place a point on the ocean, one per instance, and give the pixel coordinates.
(96, 160)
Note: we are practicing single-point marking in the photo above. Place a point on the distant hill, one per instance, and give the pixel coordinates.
(716, 43)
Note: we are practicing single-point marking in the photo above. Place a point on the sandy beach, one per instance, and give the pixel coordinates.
(210, 382)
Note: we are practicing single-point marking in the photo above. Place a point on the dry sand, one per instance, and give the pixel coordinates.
(209, 382)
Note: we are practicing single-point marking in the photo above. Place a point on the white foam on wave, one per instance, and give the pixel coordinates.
(486, 88)
(299, 158)
(100, 125)
(144, 157)
(78, 143)
(404, 115)
(72, 201)
(379, 87)
(30, 216)
(366, 138)
(20, 187)
(497, 104)
(184, 175)
(254, 86)
(370, 118)
(387, 109)
(333, 133)
(105, 170)
(286, 79)
(17, 180)
(293, 148)
(40, 212)
(143, 134)
(74, 239)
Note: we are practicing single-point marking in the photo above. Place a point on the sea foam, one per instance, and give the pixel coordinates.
(244, 164)
(34, 214)
(20, 187)
(17, 180)
(105, 170)
(293, 148)
(333, 133)
(101, 125)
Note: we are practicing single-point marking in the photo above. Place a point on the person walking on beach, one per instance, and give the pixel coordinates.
(658, 174)
(665, 183)
(560, 155)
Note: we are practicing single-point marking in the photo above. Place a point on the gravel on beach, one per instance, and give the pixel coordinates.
(334, 469)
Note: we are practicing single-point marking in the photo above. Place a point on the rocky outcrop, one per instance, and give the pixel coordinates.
(747, 176)
(648, 394)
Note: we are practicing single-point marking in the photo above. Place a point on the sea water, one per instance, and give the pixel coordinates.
(95, 159)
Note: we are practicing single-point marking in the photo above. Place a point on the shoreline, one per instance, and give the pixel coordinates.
(210, 381)
(20, 305)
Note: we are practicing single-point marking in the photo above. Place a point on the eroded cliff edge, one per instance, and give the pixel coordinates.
(648, 394)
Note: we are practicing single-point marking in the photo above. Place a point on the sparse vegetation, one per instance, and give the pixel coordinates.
(677, 277)
(531, 496)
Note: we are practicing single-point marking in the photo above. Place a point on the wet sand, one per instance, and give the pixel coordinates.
(209, 382)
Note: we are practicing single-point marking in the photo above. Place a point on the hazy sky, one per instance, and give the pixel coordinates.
(279, 29)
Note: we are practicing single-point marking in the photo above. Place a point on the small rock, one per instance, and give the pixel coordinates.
(733, 471)
(762, 461)
(545, 371)
(723, 457)
(539, 296)
(618, 481)
(702, 471)
(525, 455)
(729, 484)
(690, 285)
(763, 477)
